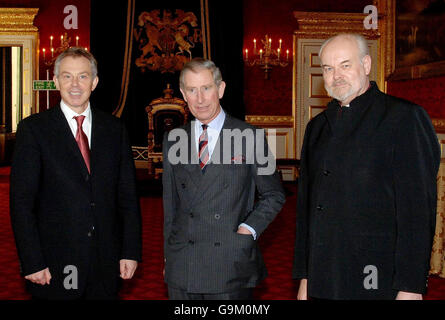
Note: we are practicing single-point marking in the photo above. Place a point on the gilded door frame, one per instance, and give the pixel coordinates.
(17, 29)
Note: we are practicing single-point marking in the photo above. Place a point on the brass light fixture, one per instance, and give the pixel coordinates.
(266, 57)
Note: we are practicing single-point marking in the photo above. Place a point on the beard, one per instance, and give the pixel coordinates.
(343, 94)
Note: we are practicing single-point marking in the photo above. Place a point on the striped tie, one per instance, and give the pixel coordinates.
(203, 147)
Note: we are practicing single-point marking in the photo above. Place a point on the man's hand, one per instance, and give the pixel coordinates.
(41, 277)
(403, 295)
(302, 290)
(243, 230)
(128, 267)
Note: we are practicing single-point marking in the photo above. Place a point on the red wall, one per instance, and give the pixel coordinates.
(429, 93)
(274, 96)
(261, 17)
(275, 18)
(49, 21)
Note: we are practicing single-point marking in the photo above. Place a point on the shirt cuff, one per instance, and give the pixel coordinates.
(250, 229)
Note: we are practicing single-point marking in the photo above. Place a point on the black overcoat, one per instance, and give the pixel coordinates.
(367, 199)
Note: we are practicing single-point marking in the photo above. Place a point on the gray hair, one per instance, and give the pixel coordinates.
(197, 64)
(76, 52)
(362, 44)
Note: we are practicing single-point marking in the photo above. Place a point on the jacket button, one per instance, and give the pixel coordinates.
(90, 233)
(183, 185)
(326, 172)
(191, 214)
(217, 244)
(92, 204)
(217, 216)
(191, 242)
(319, 207)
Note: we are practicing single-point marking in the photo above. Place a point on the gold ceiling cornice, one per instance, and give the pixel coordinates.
(18, 19)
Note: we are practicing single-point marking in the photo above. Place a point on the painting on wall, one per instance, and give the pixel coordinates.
(419, 34)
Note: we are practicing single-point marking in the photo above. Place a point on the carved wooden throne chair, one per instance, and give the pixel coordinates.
(164, 114)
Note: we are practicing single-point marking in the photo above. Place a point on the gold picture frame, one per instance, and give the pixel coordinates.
(410, 55)
(387, 10)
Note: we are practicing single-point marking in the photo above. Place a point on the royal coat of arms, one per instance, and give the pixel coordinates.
(165, 42)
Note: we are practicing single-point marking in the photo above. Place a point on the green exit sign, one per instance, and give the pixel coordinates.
(43, 85)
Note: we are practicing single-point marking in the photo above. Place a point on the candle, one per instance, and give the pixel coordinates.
(52, 52)
(51, 41)
(261, 53)
(77, 41)
(280, 43)
(279, 50)
(270, 43)
(287, 54)
(247, 55)
(61, 40)
(86, 48)
(43, 53)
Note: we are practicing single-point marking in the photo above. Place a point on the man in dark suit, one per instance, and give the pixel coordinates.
(366, 201)
(211, 220)
(74, 209)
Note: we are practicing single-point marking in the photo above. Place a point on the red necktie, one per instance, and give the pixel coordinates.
(82, 141)
(203, 147)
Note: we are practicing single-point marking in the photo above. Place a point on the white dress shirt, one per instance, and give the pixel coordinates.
(70, 114)
(213, 130)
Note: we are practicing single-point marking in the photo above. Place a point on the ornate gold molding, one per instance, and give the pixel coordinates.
(270, 121)
(387, 11)
(439, 124)
(18, 20)
(17, 29)
(327, 24)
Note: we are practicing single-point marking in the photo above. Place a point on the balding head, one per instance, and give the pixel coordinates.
(360, 41)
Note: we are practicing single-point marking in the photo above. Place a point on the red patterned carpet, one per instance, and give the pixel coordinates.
(276, 243)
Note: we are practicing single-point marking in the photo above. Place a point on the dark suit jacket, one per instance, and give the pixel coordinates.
(55, 202)
(202, 212)
(367, 197)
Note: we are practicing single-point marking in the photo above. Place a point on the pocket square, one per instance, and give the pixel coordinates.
(238, 159)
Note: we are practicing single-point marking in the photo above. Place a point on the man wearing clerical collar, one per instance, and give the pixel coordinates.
(366, 201)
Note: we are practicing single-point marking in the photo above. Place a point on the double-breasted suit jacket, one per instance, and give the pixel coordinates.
(58, 209)
(366, 201)
(202, 212)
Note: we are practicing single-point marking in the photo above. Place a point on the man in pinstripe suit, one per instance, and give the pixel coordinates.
(211, 219)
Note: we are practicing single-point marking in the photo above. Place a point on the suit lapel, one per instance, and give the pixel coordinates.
(65, 137)
(192, 167)
(98, 136)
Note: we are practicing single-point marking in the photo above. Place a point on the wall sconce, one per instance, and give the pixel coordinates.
(266, 57)
(65, 43)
